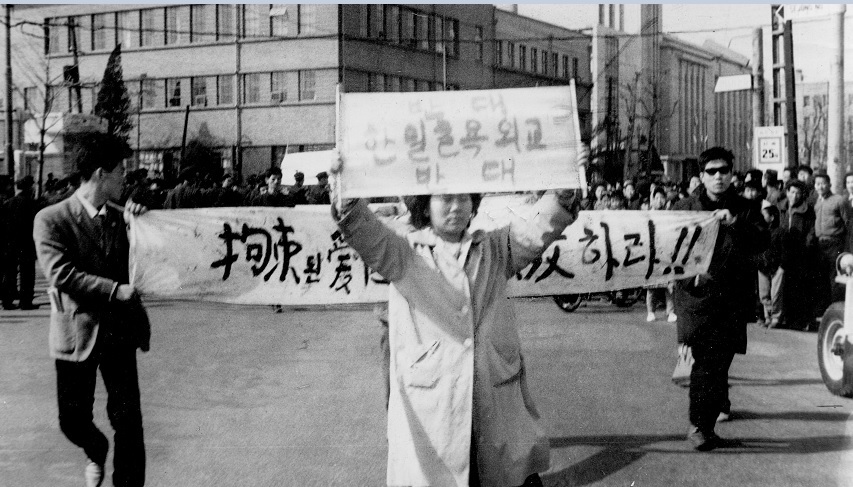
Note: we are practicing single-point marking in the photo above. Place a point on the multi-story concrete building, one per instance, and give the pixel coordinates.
(259, 81)
(654, 102)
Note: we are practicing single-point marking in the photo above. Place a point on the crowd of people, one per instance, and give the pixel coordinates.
(809, 228)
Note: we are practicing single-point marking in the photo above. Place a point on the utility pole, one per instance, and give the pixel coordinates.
(835, 160)
(784, 101)
(757, 78)
(10, 133)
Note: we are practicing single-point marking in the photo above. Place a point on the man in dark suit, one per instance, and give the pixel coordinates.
(21, 258)
(713, 308)
(97, 320)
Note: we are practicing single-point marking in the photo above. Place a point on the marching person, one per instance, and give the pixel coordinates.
(97, 319)
(459, 411)
(713, 308)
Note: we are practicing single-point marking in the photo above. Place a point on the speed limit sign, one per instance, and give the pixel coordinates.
(770, 148)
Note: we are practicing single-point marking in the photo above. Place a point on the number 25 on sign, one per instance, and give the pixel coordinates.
(769, 150)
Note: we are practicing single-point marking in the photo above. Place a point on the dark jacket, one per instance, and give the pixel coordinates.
(716, 310)
(797, 225)
(769, 261)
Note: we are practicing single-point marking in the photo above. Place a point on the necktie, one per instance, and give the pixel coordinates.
(100, 223)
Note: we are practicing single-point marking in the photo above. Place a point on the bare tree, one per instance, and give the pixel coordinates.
(814, 133)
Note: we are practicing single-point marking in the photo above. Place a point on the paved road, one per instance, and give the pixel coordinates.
(244, 396)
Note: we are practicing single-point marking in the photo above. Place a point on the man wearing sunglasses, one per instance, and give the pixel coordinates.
(714, 308)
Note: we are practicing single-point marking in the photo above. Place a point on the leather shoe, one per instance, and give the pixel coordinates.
(702, 441)
(94, 474)
(29, 307)
(9, 306)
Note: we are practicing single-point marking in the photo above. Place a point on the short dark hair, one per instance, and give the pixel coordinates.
(273, 171)
(772, 176)
(806, 168)
(797, 184)
(95, 150)
(419, 204)
(823, 175)
(773, 210)
(716, 154)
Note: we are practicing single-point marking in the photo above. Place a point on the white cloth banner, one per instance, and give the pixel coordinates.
(478, 141)
(295, 256)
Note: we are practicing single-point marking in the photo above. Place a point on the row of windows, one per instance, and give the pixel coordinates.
(537, 61)
(184, 24)
(270, 88)
(379, 82)
(406, 26)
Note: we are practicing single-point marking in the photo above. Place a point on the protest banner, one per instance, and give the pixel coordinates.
(478, 141)
(296, 256)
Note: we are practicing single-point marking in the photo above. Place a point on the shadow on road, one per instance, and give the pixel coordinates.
(747, 381)
(792, 415)
(620, 451)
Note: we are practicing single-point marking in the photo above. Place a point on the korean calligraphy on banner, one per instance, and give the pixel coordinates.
(479, 141)
(296, 256)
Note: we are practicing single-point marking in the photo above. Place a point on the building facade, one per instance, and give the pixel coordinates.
(258, 81)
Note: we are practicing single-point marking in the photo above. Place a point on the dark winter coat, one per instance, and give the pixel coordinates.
(715, 310)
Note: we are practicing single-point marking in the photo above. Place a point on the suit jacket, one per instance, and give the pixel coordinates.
(83, 270)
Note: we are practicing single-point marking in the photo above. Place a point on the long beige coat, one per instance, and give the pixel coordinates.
(455, 352)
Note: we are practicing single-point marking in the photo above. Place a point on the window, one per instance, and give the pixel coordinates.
(438, 34)
(100, 34)
(280, 22)
(375, 21)
(478, 41)
(575, 68)
(74, 33)
(151, 92)
(522, 58)
(307, 85)
(173, 92)
(566, 67)
(30, 102)
(225, 90)
(392, 23)
(177, 25)
(152, 27)
(420, 36)
(278, 87)
(806, 101)
(54, 36)
(128, 29)
(375, 82)
(510, 53)
(225, 22)
(307, 19)
(499, 52)
(252, 20)
(534, 59)
(203, 23)
(392, 83)
(451, 33)
(544, 61)
(252, 88)
(555, 58)
(199, 87)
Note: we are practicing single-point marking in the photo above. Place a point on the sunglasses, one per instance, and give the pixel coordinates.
(714, 170)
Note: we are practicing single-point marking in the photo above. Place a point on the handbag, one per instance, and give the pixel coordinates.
(681, 374)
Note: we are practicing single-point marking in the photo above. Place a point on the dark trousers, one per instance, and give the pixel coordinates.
(75, 383)
(827, 291)
(709, 384)
(19, 259)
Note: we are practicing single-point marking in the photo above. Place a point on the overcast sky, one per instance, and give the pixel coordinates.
(727, 24)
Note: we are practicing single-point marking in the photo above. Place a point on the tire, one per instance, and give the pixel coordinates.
(568, 302)
(627, 297)
(836, 370)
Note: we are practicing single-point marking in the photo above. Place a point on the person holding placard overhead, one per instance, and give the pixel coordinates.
(460, 412)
